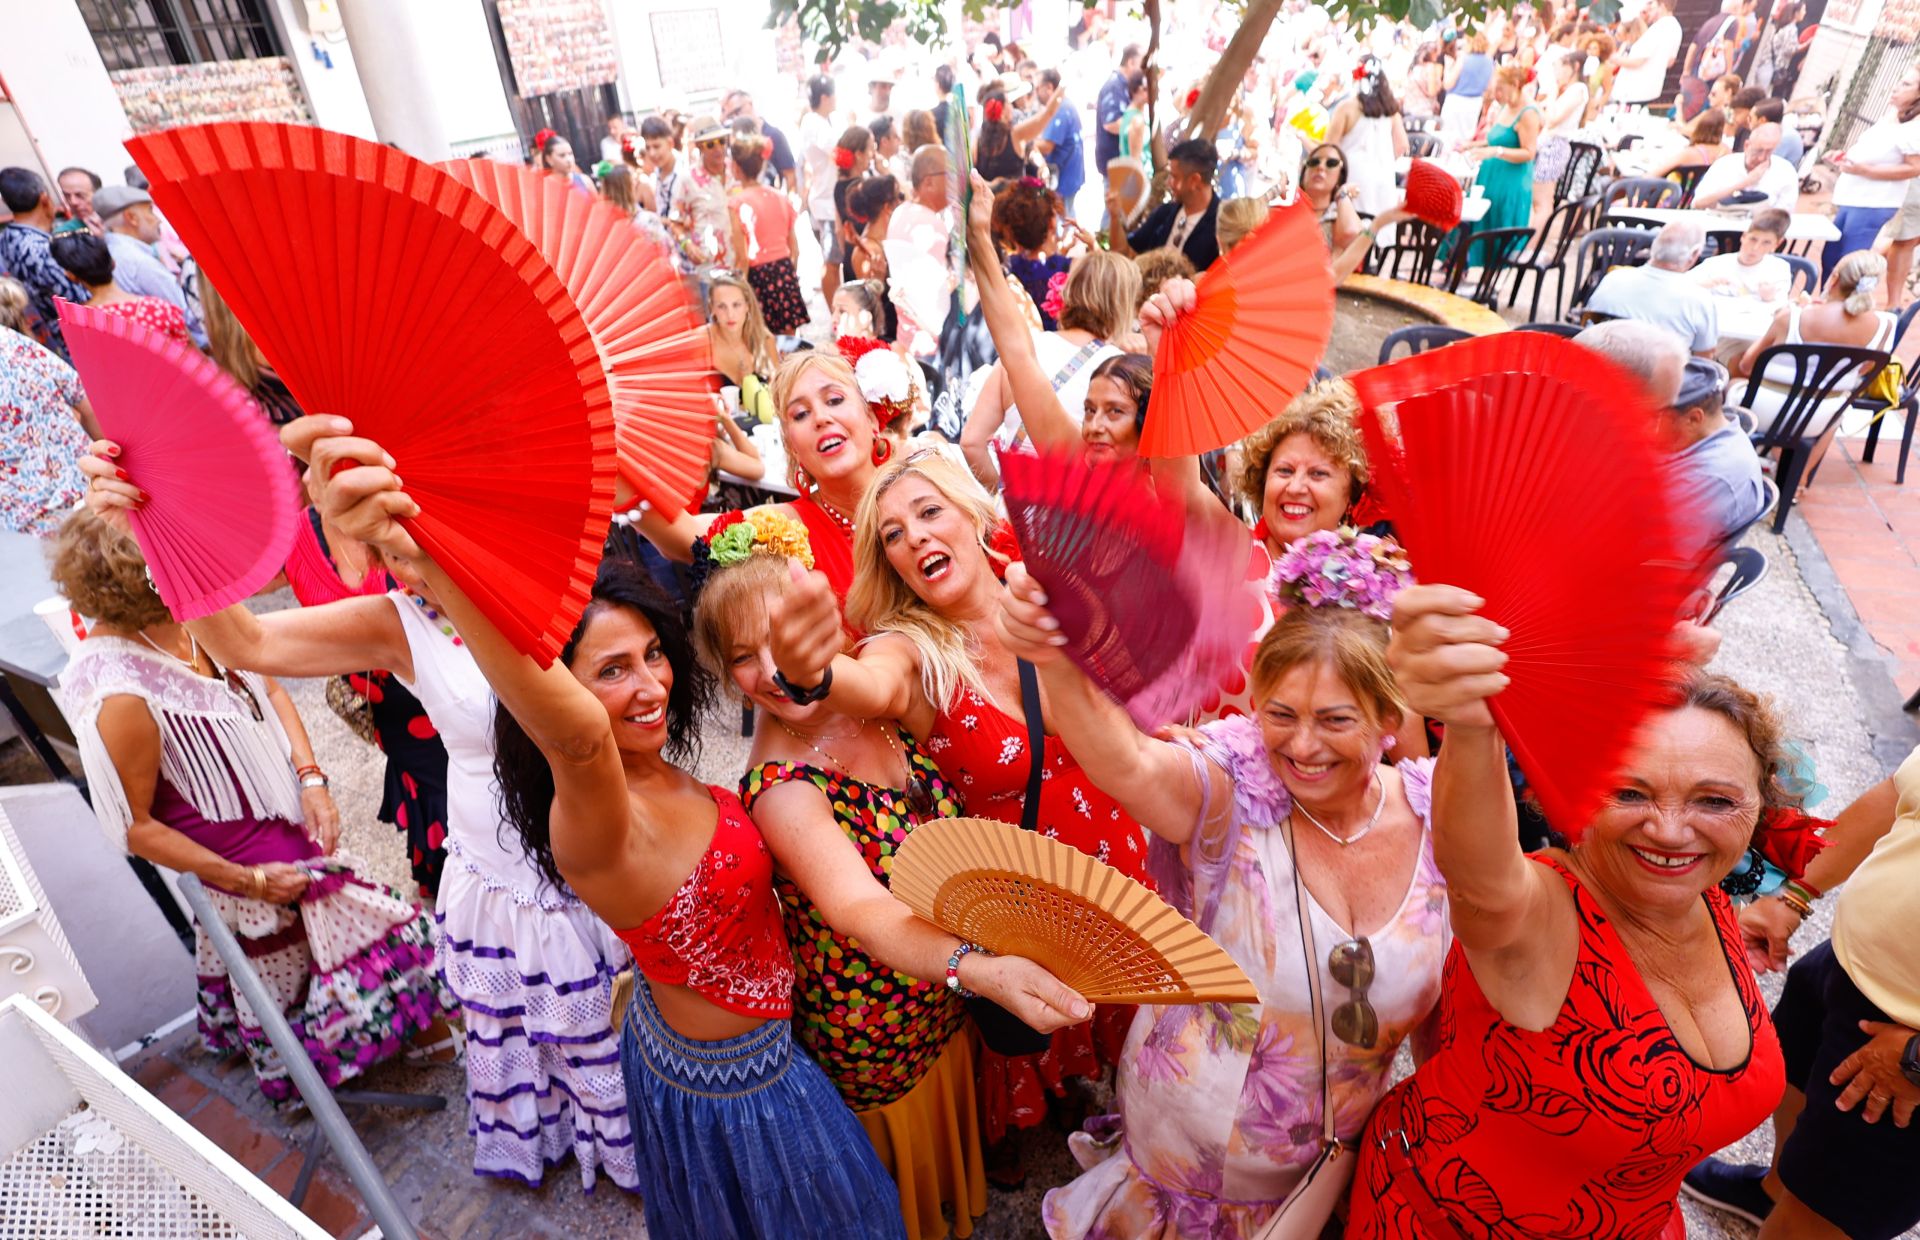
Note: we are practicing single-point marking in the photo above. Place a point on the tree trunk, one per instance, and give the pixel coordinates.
(1217, 93)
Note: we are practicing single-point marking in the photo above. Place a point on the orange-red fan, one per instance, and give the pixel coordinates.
(1525, 472)
(382, 289)
(1250, 344)
(1434, 195)
(652, 344)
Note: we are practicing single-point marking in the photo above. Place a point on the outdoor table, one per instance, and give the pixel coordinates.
(1806, 226)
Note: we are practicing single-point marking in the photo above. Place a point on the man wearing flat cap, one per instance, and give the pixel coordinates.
(132, 230)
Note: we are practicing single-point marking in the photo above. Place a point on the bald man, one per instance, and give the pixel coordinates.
(1755, 175)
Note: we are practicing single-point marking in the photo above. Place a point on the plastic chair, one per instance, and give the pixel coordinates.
(1423, 145)
(1418, 339)
(1415, 245)
(1687, 177)
(1600, 251)
(1639, 192)
(1549, 255)
(1819, 372)
(1568, 330)
(1578, 179)
(1497, 248)
(1908, 406)
(1749, 568)
(1805, 269)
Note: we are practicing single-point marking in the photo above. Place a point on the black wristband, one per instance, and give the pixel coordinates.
(1910, 1060)
(805, 697)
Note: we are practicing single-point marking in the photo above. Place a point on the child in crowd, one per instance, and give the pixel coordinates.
(1755, 270)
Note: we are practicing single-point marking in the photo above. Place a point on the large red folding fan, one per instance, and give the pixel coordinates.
(221, 501)
(652, 343)
(1149, 598)
(382, 289)
(1525, 471)
(1259, 326)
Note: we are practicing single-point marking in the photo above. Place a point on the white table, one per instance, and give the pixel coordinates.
(1744, 318)
(1806, 226)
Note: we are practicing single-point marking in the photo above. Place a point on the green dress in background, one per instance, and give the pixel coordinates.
(1127, 119)
(1508, 188)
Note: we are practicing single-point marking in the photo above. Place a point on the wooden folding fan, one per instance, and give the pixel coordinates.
(383, 290)
(1020, 893)
(653, 344)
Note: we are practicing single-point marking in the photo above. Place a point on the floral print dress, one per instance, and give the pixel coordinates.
(1220, 1105)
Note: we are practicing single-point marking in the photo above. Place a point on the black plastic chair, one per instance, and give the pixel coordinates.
(1819, 372)
(1721, 241)
(1579, 178)
(1639, 192)
(1412, 254)
(1568, 330)
(1908, 406)
(1423, 145)
(1549, 255)
(1749, 568)
(1600, 251)
(1418, 339)
(1497, 247)
(1809, 271)
(1687, 177)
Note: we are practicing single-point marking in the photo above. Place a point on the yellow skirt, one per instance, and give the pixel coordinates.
(929, 1142)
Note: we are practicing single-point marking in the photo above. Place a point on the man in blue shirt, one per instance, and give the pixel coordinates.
(24, 254)
(1114, 97)
(1059, 143)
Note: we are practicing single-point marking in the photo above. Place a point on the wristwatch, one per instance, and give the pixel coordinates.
(805, 697)
(1910, 1060)
(313, 779)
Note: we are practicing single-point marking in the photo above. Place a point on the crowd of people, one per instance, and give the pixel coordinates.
(1343, 816)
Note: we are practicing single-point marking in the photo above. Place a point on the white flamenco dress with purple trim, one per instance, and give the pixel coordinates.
(532, 967)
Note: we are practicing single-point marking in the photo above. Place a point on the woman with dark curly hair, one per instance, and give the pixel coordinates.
(1025, 213)
(730, 1124)
(1600, 1030)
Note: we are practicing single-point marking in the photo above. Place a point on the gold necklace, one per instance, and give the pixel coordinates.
(919, 789)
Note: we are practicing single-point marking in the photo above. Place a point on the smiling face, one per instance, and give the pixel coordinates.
(1306, 491)
(1321, 741)
(749, 665)
(1108, 428)
(620, 658)
(828, 429)
(930, 542)
(1681, 814)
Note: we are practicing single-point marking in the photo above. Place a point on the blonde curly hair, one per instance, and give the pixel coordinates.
(1324, 413)
(103, 574)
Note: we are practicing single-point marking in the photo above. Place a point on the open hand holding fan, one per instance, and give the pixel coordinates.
(1020, 893)
(652, 344)
(1434, 195)
(383, 290)
(1525, 471)
(1145, 594)
(1259, 326)
(221, 496)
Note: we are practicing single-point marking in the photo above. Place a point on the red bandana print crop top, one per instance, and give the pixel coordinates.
(720, 935)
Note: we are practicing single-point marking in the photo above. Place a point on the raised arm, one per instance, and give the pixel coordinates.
(1151, 779)
(809, 847)
(1035, 125)
(808, 642)
(1046, 419)
(734, 452)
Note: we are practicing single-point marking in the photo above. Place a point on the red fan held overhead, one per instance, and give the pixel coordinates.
(221, 500)
(1259, 326)
(1146, 595)
(1434, 195)
(1525, 471)
(652, 344)
(382, 289)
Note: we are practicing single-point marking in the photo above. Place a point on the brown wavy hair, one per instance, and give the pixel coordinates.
(1324, 413)
(103, 574)
(1353, 643)
(1759, 724)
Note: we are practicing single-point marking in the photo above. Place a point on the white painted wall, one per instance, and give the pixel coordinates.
(60, 90)
(461, 73)
(335, 95)
(746, 54)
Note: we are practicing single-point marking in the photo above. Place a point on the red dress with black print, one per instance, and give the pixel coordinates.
(1582, 1129)
(982, 752)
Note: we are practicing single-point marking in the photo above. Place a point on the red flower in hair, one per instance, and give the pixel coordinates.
(995, 110)
(1193, 97)
(1360, 73)
(843, 158)
(724, 520)
(853, 348)
(543, 137)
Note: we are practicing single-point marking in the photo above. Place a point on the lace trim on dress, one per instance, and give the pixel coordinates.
(224, 762)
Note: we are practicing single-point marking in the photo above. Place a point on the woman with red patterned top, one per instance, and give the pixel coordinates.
(1600, 1030)
(88, 260)
(729, 1123)
(926, 588)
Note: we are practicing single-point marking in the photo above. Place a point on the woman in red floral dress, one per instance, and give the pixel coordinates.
(88, 260)
(1600, 1030)
(925, 587)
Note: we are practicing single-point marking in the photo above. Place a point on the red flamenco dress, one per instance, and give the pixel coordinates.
(1582, 1129)
(982, 752)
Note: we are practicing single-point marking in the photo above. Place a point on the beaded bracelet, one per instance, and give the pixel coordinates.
(1793, 900)
(953, 968)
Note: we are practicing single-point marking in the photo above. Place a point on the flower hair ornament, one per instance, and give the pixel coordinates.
(736, 536)
(1193, 97)
(994, 110)
(843, 158)
(1056, 299)
(1341, 568)
(885, 380)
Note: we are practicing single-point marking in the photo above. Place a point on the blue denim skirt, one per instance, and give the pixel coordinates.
(746, 1138)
